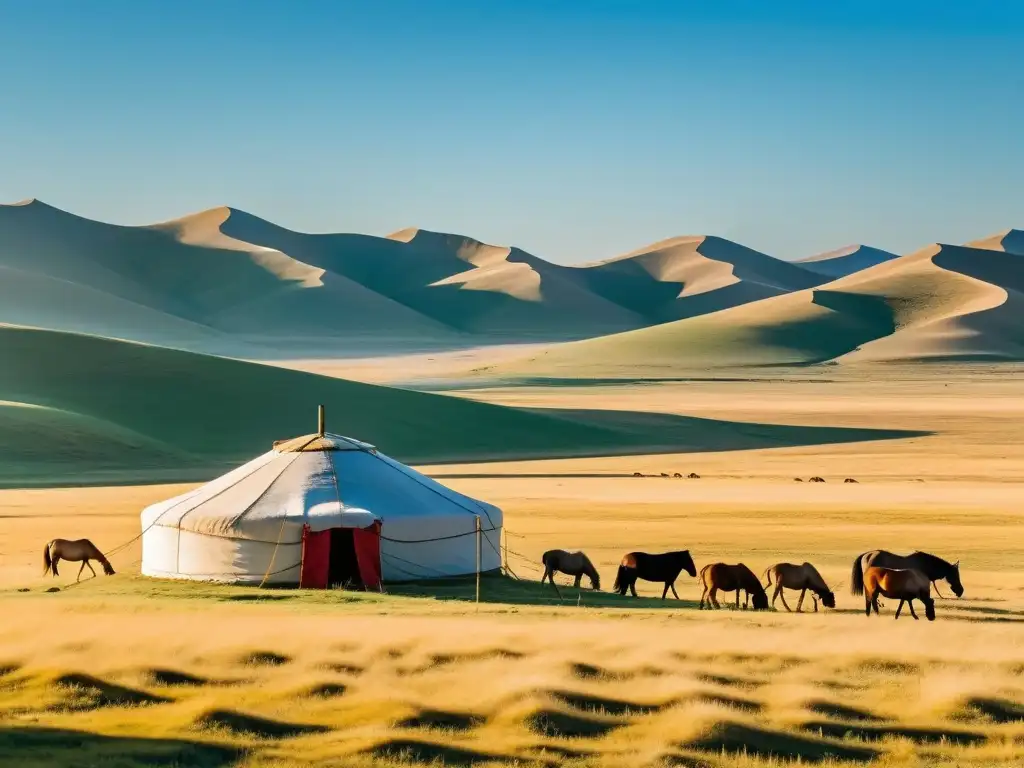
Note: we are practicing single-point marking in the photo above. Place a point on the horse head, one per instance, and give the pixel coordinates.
(828, 598)
(929, 608)
(953, 577)
(687, 563)
(760, 601)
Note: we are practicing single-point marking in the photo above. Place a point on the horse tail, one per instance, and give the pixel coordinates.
(620, 578)
(47, 562)
(857, 576)
(703, 571)
(767, 575)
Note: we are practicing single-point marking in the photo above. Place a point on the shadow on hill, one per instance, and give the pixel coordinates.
(35, 747)
(669, 433)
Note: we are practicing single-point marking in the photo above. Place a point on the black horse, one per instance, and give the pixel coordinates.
(664, 568)
(932, 566)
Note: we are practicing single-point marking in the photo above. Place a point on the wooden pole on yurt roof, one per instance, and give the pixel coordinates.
(321, 421)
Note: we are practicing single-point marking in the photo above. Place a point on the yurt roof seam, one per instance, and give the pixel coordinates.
(481, 509)
(255, 501)
(230, 573)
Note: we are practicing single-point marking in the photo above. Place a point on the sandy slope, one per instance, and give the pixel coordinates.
(688, 276)
(1009, 241)
(845, 261)
(186, 285)
(221, 279)
(942, 302)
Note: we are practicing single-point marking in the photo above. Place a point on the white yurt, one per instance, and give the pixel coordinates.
(317, 511)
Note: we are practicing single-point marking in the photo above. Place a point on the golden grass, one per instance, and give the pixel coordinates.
(126, 671)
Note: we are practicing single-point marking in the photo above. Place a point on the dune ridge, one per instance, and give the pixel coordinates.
(943, 302)
(231, 282)
(845, 261)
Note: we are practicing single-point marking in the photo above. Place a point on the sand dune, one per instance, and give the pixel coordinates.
(1009, 241)
(688, 276)
(845, 261)
(223, 281)
(942, 302)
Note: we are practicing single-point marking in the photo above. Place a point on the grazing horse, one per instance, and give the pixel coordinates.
(933, 567)
(665, 568)
(907, 585)
(802, 577)
(732, 578)
(572, 563)
(80, 549)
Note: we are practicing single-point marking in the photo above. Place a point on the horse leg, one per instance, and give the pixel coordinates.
(910, 604)
(899, 608)
(53, 566)
(782, 594)
(90, 567)
(737, 599)
(704, 595)
(800, 601)
(632, 588)
(579, 578)
(672, 585)
(664, 591)
(712, 598)
(79, 577)
(867, 603)
(874, 601)
(815, 601)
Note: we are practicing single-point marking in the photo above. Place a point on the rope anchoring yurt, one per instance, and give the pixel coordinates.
(320, 510)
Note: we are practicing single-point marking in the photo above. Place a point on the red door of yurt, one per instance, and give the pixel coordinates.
(341, 555)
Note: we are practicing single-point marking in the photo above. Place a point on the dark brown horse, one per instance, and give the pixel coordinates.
(80, 549)
(732, 578)
(932, 566)
(907, 585)
(572, 563)
(664, 568)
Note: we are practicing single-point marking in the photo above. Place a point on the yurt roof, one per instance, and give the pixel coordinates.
(318, 442)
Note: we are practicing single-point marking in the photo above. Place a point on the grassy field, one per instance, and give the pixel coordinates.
(126, 671)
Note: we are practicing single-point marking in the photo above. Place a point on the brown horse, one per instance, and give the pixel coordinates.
(80, 549)
(664, 568)
(571, 563)
(803, 577)
(907, 585)
(732, 578)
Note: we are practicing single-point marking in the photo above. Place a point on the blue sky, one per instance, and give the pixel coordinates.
(576, 130)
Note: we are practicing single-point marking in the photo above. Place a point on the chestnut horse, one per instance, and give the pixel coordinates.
(664, 568)
(932, 566)
(803, 577)
(571, 563)
(732, 578)
(79, 549)
(907, 585)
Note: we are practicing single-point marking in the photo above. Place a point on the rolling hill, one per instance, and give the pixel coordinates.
(942, 302)
(78, 409)
(227, 282)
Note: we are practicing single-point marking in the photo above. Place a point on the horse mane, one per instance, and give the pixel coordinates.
(933, 560)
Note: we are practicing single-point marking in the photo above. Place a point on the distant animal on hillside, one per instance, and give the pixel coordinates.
(905, 584)
(798, 479)
(932, 566)
(693, 476)
(817, 480)
(803, 577)
(79, 549)
(638, 474)
(849, 480)
(732, 578)
(571, 563)
(663, 568)
(677, 474)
